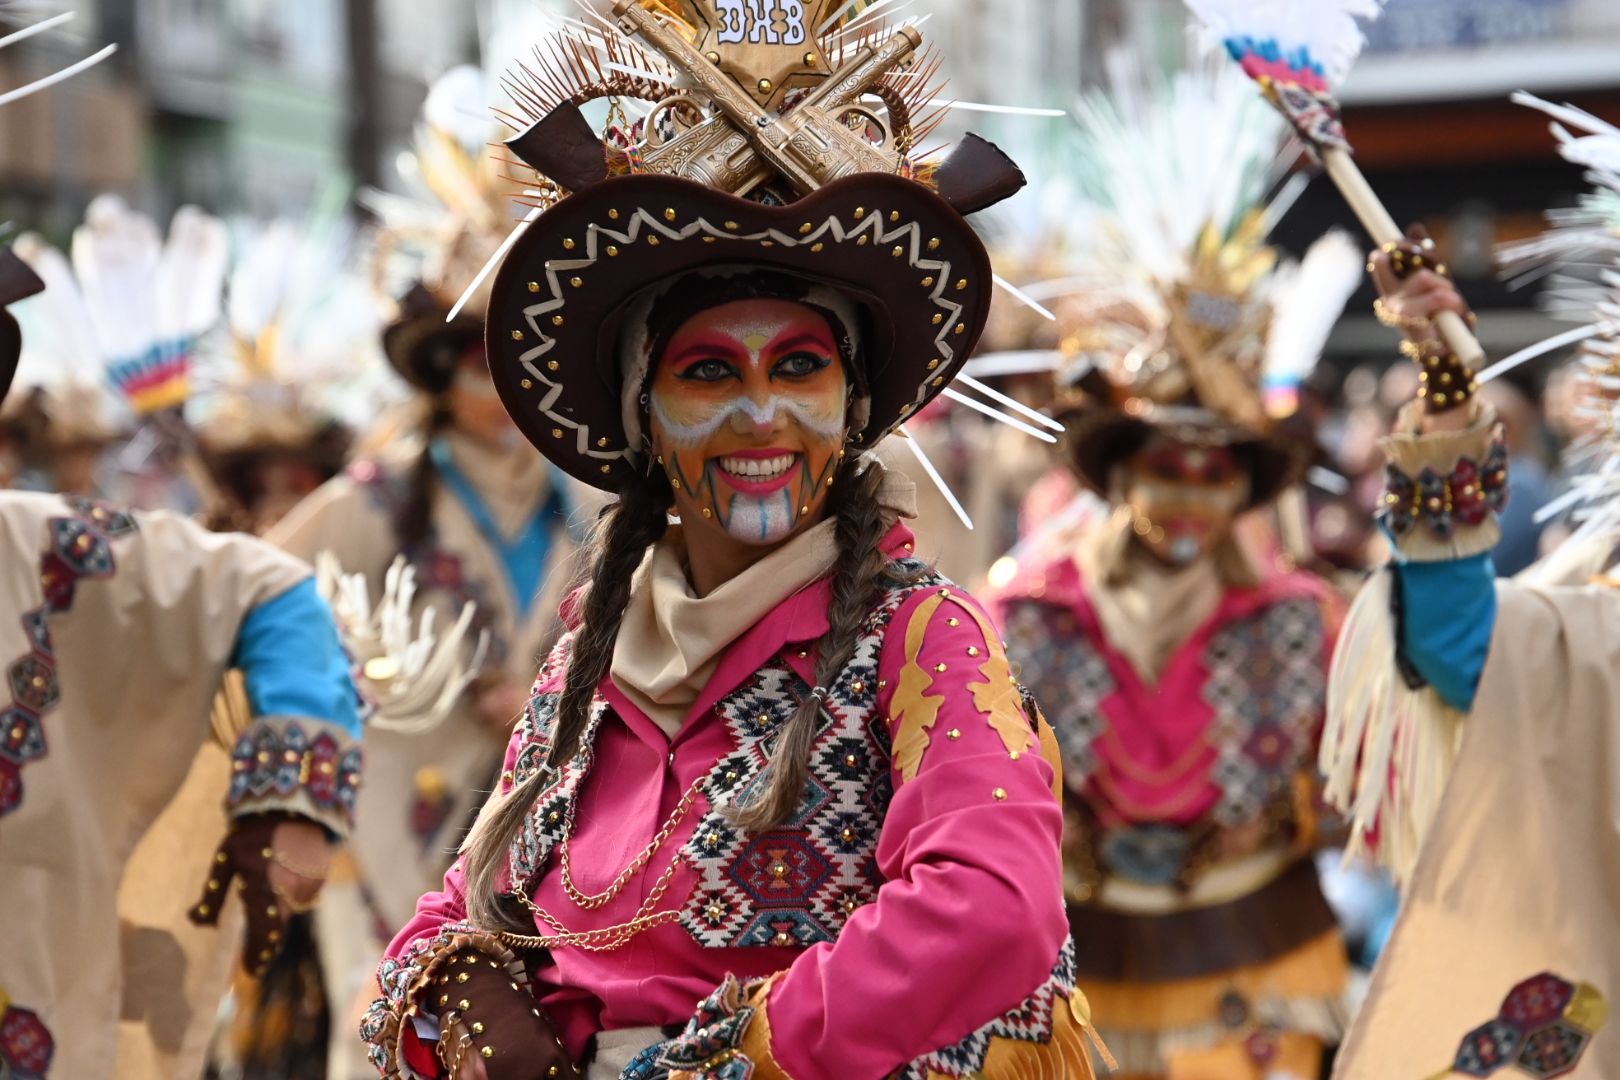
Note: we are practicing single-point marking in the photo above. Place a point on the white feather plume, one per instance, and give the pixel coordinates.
(1329, 30)
(411, 677)
(1307, 303)
(1578, 256)
(1160, 158)
(141, 293)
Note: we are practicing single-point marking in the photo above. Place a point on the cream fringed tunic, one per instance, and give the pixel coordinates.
(115, 630)
(1503, 820)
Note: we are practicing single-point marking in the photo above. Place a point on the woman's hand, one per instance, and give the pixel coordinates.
(1413, 286)
(301, 859)
(457, 1053)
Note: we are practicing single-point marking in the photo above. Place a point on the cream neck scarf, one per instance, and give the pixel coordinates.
(512, 482)
(671, 641)
(1147, 609)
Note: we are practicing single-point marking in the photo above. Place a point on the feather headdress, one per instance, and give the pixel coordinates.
(130, 302)
(301, 355)
(1174, 289)
(1579, 255)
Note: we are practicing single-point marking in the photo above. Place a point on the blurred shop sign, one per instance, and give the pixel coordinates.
(1424, 25)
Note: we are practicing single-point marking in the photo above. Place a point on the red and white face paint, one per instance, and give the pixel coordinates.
(747, 414)
(1183, 498)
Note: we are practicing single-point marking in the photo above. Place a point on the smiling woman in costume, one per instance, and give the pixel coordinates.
(778, 770)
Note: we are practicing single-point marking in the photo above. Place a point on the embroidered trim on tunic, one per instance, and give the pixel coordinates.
(279, 759)
(1467, 495)
(26, 1045)
(1544, 1028)
(80, 548)
(1051, 1022)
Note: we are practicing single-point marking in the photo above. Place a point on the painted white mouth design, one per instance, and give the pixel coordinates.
(770, 468)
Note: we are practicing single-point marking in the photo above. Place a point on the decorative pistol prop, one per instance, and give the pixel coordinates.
(746, 95)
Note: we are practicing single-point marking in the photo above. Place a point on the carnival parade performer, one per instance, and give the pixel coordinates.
(1183, 670)
(777, 770)
(1472, 726)
(118, 628)
(473, 510)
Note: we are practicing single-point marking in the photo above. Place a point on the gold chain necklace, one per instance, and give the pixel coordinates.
(592, 901)
(609, 937)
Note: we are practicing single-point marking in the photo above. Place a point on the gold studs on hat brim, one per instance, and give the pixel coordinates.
(904, 241)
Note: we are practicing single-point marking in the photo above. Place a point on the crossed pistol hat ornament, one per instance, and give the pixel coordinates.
(777, 138)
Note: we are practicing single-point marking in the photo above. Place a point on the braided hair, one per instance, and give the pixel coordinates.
(636, 521)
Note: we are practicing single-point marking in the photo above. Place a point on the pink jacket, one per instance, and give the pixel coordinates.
(1235, 714)
(968, 917)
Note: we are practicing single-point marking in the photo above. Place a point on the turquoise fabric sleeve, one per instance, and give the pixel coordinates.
(1448, 612)
(294, 662)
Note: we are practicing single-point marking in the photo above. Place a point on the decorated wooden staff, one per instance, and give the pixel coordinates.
(1296, 51)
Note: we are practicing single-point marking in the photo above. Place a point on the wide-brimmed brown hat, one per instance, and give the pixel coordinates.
(17, 281)
(1101, 436)
(560, 300)
(422, 346)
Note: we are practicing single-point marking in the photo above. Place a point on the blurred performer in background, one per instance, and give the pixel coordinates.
(1184, 669)
(1474, 729)
(118, 628)
(300, 362)
(479, 516)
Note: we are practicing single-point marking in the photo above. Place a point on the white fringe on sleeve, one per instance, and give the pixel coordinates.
(1387, 750)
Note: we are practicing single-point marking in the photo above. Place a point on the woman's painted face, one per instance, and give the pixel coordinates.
(747, 415)
(1184, 497)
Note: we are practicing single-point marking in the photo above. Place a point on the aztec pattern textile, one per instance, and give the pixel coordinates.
(280, 758)
(794, 885)
(1068, 676)
(1035, 1022)
(1543, 1029)
(80, 548)
(1266, 684)
(1268, 687)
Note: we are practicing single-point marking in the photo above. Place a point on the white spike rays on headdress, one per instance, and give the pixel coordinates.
(1012, 403)
(51, 80)
(933, 474)
(1023, 297)
(1165, 158)
(1018, 362)
(38, 28)
(996, 414)
(494, 261)
(1327, 28)
(1309, 301)
(1004, 110)
(410, 677)
(838, 13)
(865, 18)
(1542, 348)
